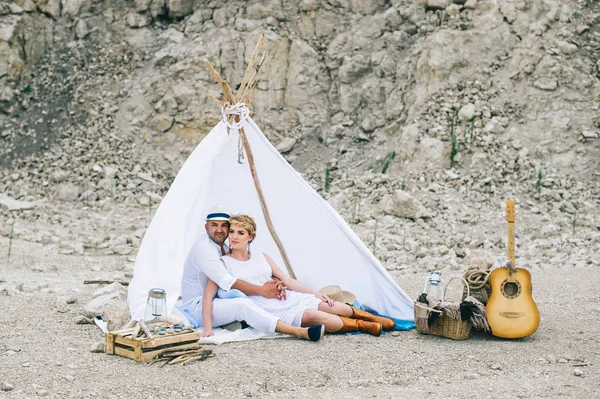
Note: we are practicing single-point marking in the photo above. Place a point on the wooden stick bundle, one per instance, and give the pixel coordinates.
(182, 356)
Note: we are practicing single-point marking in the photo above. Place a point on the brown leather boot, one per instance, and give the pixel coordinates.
(388, 324)
(351, 325)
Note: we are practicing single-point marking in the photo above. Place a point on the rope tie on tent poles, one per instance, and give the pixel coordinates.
(242, 112)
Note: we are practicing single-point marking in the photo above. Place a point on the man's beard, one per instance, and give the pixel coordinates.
(219, 239)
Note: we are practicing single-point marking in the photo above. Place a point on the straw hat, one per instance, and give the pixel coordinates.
(335, 292)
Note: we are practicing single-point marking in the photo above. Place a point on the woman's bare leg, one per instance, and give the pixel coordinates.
(331, 322)
(338, 308)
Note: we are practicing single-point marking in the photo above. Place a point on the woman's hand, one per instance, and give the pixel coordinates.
(208, 332)
(282, 295)
(325, 298)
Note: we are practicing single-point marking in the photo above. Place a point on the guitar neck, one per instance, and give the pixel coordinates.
(511, 218)
(511, 243)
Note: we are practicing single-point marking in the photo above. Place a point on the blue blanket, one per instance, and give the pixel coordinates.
(401, 325)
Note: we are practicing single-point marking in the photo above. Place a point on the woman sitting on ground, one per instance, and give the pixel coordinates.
(302, 306)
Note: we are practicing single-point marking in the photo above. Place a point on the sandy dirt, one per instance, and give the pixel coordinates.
(44, 353)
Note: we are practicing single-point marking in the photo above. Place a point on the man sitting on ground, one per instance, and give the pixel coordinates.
(203, 263)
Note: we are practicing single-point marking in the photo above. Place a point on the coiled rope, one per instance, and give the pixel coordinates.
(478, 281)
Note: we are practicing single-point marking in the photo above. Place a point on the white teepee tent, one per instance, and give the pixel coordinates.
(320, 247)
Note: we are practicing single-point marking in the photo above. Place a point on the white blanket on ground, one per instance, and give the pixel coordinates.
(230, 333)
(243, 334)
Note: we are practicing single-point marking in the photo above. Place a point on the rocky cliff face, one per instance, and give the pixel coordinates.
(408, 115)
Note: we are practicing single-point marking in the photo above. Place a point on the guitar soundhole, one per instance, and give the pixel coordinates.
(511, 289)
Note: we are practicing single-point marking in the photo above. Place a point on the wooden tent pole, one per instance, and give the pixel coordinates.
(263, 205)
(229, 97)
(232, 100)
(246, 77)
(246, 96)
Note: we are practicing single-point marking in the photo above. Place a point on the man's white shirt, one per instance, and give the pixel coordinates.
(201, 264)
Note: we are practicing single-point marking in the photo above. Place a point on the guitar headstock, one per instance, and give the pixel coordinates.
(511, 215)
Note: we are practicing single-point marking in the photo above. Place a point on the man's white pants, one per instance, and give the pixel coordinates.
(228, 310)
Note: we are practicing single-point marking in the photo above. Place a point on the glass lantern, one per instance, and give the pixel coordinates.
(156, 306)
(434, 286)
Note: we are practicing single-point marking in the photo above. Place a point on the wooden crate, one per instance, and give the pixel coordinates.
(144, 349)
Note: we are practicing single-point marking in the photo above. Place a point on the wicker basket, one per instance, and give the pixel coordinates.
(444, 326)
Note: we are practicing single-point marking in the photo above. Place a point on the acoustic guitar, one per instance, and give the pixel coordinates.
(511, 311)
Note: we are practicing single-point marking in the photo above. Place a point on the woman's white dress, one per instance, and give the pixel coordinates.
(257, 271)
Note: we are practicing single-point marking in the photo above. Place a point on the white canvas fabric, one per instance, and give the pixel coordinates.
(322, 248)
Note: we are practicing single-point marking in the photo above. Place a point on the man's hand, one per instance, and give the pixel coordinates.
(270, 290)
(274, 289)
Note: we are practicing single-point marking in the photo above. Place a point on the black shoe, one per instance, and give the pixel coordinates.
(315, 333)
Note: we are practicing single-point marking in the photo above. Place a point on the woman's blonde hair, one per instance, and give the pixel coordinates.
(245, 222)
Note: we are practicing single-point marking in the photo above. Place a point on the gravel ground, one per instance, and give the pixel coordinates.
(44, 353)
